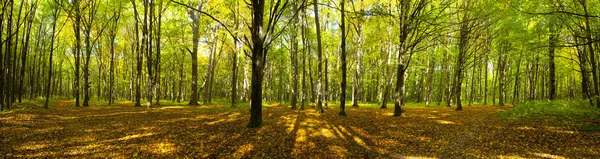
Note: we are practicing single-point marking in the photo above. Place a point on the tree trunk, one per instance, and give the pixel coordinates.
(194, 53)
(257, 63)
(343, 56)
(294, 60)
(320, 58)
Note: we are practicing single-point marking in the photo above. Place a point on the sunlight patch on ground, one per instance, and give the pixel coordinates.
(33, 146)
(288, 121)
(422, 138)
(129, 137)
(62, 117)
(230, 118)
(311, 123)
(344, 130)
(86, 138)
(525, 128)
(510, 157)
(338, 132)
(361, 132)
(339, 150)
(545, 155)
(118, 113)
(414, 157)
(173, 107)
(301, 135)
(559, 130)
(327, 133)
(360, 142)
(445, 122)
(50, 129)
(242, 150)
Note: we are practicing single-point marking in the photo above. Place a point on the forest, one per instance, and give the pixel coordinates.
(299, 78)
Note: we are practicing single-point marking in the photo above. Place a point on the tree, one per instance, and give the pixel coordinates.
(113, 34)
(262, 37)
(54, 35)
(343, 56)
(194, 53)
(320, 58)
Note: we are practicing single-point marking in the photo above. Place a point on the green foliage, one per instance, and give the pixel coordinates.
(557, 111)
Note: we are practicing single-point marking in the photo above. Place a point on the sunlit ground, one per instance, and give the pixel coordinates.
(217, 132)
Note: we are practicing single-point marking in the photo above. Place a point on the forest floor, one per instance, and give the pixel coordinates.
(218, 131)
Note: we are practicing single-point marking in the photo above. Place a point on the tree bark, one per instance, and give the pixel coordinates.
(343, 56)
(320, 59)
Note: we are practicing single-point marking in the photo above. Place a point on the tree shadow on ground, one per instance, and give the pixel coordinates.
(215, 132)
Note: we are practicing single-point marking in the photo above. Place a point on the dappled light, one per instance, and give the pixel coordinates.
(215, 132)
(445, 122)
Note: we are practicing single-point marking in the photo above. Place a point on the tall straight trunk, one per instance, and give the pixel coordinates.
(552, 67)
(399, 91)
(294, 60)
(49, 85)
(387, 80)
(343, 56)
(304, 52)
(194, 53)
(449, 80)
(320, 59)
(502, 74)
(86, 64)
(582, 56)
(592, 53)
(148, 27)
(2, 80)
(485, 90)
(234, 73)
(462, 59)
(429, 75)
(7, 92)
(13, 75)
(113, 35)
(179, 92)
(158, 51)
(473, 69)
(357, 77)
(516, 89)
(138, 50)
(111, 72)
(310, 76)
(258, 54)
(24, 50)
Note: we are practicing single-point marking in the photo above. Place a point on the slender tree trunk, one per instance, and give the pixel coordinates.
(320, 58)
(304, 54)
(294, 60)
(25, 49)
(552, 68)
(343, 56)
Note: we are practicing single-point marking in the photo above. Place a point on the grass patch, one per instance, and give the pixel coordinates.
(594, 128)
(553, 111)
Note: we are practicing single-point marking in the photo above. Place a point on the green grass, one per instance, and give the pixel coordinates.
(573, 111)
(595, 128)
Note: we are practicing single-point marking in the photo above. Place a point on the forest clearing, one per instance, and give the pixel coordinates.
(214, 131)
(299, 79)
